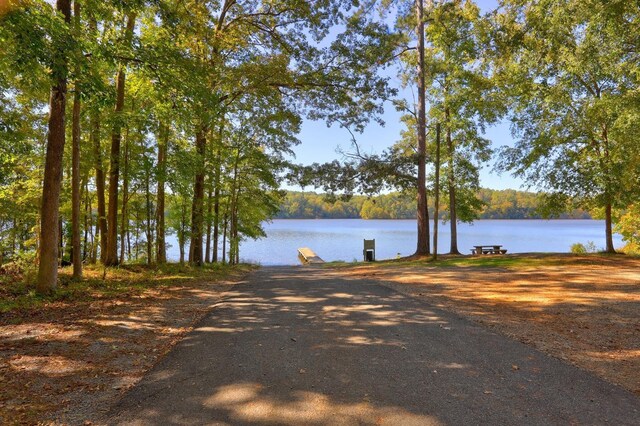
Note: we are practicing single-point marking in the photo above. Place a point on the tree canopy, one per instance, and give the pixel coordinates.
(121, 122)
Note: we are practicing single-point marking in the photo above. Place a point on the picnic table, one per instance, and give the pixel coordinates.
(488, 249)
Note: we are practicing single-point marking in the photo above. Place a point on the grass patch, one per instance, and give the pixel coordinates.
(16, 293)
(494, 261)
(509, 261)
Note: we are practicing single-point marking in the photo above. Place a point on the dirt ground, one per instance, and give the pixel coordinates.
(582, 309)
(69, 360)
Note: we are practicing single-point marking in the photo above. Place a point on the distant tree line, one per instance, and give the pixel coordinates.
(495, 204)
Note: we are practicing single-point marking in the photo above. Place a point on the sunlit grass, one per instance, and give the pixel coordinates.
(509, 261)
(17, 293)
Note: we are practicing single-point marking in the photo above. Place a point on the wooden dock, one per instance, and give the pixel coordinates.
(306, 255)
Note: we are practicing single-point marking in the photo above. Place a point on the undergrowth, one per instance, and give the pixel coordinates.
(17, 290)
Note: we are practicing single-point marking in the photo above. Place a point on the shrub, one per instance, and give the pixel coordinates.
(579, 248)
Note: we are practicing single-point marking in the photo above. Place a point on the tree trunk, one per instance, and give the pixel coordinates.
(182, 232)
(451, 181)
(605, 164)
(94, 136)
(149, 211)
(87, 229)
(436, 210)
(422, 213)
(76, 254)
(224, 238)
(163, 141)
(233, 224)
(101, 223)
(207, 256)
(608, 229)
(111, 257)
(60, 240)
(198, 201)
(49, 213)
(216, 206)
(234, 231)
(75, 168)
(89, 226)
(124, 220)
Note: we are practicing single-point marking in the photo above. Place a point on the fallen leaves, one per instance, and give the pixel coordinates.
(70, 358)
(585, 310)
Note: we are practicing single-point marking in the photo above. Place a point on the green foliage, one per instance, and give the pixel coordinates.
(579, 248)
(240, 74)
(570, 77)
(489, 204)
(629, 227)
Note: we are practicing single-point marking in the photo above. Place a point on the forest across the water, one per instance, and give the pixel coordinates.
(496, 204)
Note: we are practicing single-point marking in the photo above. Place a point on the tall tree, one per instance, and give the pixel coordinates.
(463, 98)
(111, 257)
(48, 249)
(436, 189)
(163, 141)
(423, 213)
(197, 209)
(76, 254)
(567, 68)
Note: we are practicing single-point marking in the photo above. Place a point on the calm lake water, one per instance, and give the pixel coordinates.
(341, 239)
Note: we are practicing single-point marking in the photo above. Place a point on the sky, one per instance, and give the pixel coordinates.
(321, 143)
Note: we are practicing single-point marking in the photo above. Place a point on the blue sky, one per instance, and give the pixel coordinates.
(320, 143)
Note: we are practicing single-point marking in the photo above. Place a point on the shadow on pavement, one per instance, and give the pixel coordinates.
(305, 346)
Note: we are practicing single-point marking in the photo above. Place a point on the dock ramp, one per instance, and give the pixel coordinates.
(306, 255)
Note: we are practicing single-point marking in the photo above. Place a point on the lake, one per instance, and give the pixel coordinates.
(341, 239)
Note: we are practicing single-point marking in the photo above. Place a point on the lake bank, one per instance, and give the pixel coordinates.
(342, 239)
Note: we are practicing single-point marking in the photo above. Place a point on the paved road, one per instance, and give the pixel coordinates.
(301, 345)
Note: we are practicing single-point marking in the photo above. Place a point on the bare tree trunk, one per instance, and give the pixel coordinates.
(75, 168)
(101, 223)
(198, 201)
(234, 231)
(422, 213)
(111, 258)
(87, 225)
(216, 224)
(608, 229)
(207, 256)
(49, 212)
(149, 211)
(137, 229)
(606, 165)
(182, 233)
(60, 241)
(163, 141)
(94, 136)
(224, 238)
(436, 212)
(124, 220)
(451, 181)
(216, 207)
